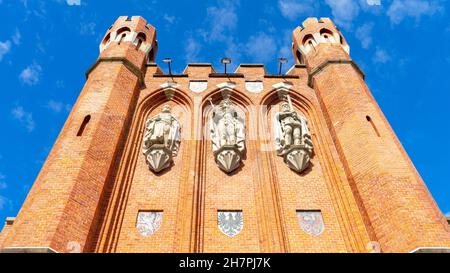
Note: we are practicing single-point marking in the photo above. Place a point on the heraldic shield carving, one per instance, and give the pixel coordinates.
(230, 222)
(148, 222)
(292, 138)
(311, 222)
(227, 136)
(161, 139)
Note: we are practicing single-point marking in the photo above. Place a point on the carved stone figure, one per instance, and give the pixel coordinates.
(227, 136)
(292, 138)
(161, 139)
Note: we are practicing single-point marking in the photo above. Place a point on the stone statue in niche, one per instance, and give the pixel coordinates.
(161, 139)
(292, 138)
(227, 136)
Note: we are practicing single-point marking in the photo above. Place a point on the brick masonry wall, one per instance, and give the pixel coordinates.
(61, 207)
(192, 191)
(397, 203)
(91, 188)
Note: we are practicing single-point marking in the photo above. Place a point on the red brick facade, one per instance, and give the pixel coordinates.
(96, 180)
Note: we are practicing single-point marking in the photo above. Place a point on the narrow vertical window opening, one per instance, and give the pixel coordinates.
(139, 43)
(122, 37)
(369, 119)
(83, 125)
(299, 57)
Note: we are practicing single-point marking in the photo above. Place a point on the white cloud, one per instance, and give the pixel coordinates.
(261, 47)
(192, 50)
(87, 28)
(55, 106)
(25, 118)
(5, 47)
(219, 26)
(234, 51)
(400, 9)
(293, 9)
(285, 50)
(381, 56)
(344, 11)
(4, 201)
(60, 84)
(31, 74)
(221, 19)
(168, 18)
(73, 2)
(373, 2)
(447, 214)
(364, 34)
(16, 37)
(2, 182)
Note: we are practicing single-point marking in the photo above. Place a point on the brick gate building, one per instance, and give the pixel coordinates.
(226, 162)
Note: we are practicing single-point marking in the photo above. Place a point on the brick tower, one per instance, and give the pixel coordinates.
(392, 196)
(62, 205)
(146, 161)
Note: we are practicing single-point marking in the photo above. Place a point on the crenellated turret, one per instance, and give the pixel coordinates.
(377, 166)
(316, 40)
(131, 38)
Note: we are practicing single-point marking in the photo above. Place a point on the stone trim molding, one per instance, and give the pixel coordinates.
(323, 65)
(132, 67)
(10, 220)
(431, 249)
(277, 76)
(33, 249)
(156, 75)
(227, 75)
(282, 85)
(227, 85)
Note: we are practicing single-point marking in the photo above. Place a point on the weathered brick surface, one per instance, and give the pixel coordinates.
(91, 188)
(61, 206)
(399, 207)
(194, 189)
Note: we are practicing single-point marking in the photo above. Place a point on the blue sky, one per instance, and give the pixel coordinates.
(46, 47)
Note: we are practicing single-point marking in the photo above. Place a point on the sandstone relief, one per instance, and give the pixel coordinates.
(161, 139)
(227, 136)
(292, 138)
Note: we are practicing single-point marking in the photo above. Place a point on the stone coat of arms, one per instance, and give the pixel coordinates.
(230, 222)
(311, 222)
(148, 222)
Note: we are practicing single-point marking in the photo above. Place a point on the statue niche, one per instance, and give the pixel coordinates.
(227, 136)
(292, 138)
(161, 139)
